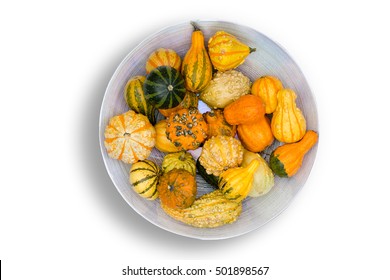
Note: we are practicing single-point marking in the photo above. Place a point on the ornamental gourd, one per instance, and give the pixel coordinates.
(164, 87)
(144, 178)
(179, 160)
(220, 153)
(217, 124)
(286, 160)
(177, 189)
(135, 98)
(226, 51)
(235, 183)
(187, 129)
(266, 88)
(163, 144)
(196, 67)
(208, 211)
(209, 178)
(129, 137)
(163, 57)
(190, 100)
(288, 123)
(247, 109)
(256, 136)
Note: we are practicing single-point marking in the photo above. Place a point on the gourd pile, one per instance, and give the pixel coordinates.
(244, 119)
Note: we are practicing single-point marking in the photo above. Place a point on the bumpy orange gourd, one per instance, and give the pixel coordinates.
(163, 144)
(256, 136)
(189, 100)
(226, 51)
(177, 189)
(286, 160)
(163, 57)
(288, 123)
(196, 67)
(247, 109)
(218, 125)
(129, 137)
(266, 88)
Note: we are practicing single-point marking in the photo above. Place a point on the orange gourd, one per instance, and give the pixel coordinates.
(266, 88)
(218, 125)
(256, 136)
(163, 144)
(247, 109)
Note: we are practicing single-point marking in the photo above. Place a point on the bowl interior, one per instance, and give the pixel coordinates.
(269, 59)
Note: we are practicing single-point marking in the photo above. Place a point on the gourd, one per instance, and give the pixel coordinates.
(266, 88)
(163, 57)
(177, 189)
(208, 211)
(226, 51)
(144, 178)
(224, 88)
(190, 100)
(163, 144)
(235, 183)
(288, 123)
(135, 98)
(209, 178)
(196, 67)
(164, 87)
(247, 109)
(179, 160)
(263, 178)
(220, 153)
(217, 124)
(286, 160)
(256, 136)
(129, 137)
(187, 129)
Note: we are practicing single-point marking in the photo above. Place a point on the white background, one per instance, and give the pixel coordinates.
(62, 218)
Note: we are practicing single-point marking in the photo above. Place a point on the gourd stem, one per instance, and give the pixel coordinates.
(251, 50)
(196, 27)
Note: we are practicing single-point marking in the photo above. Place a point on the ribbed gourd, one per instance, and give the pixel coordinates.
(163, 144)
(288, 123)
(266, 88)
(179, 160)
(286, 160)
(135, 98)
(196, 66)
(235, 183)
(144, 177)
(208, 211)
(163, 57)
(226, 51)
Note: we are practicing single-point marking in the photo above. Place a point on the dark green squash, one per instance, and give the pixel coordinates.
(164, 87)
(209, 178)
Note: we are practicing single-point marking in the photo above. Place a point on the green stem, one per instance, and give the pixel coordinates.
(196, 27)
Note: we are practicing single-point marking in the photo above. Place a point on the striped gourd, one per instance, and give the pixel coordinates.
(162, 57)
(266, 88)
(164, 87)
(196, 66)
(189, 100)
(179, 160)
(135, 98)
(144, 177)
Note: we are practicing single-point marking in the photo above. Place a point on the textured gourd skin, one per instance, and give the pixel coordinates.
(163, 57)
(208, 211)
(226, 51)
(129, 137)
(235, 183)
(288, 123)
(163, 144)
(218, 125)
(220, 153)
(196, 67)
(144, 178)
(266, 88)
(256, 136)
(135, 98)
(247, 109)
(177, 189)
(179, 160)
(286, 160)
(190, 100)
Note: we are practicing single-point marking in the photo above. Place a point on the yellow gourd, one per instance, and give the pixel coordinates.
(266, 88)
(163, 144)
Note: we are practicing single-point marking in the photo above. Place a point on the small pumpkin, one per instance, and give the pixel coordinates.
(190, 100)
(144, 178)
(247, 109)
(209, 178)
(179, 160)
(256, 136)
(135, 98)
(196, 67)
(220, 153)
(187, 128)
(164, 87)
(177, 189)
(226, 51)
(129, 137)
(286, 160)
(163, 57)
(217, 124)
(288, 123)
(263, 178)
(235, 183)
(208, 211)
(266, 88)
(163, 144)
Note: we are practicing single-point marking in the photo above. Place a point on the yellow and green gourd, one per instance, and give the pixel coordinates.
(144, 176)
